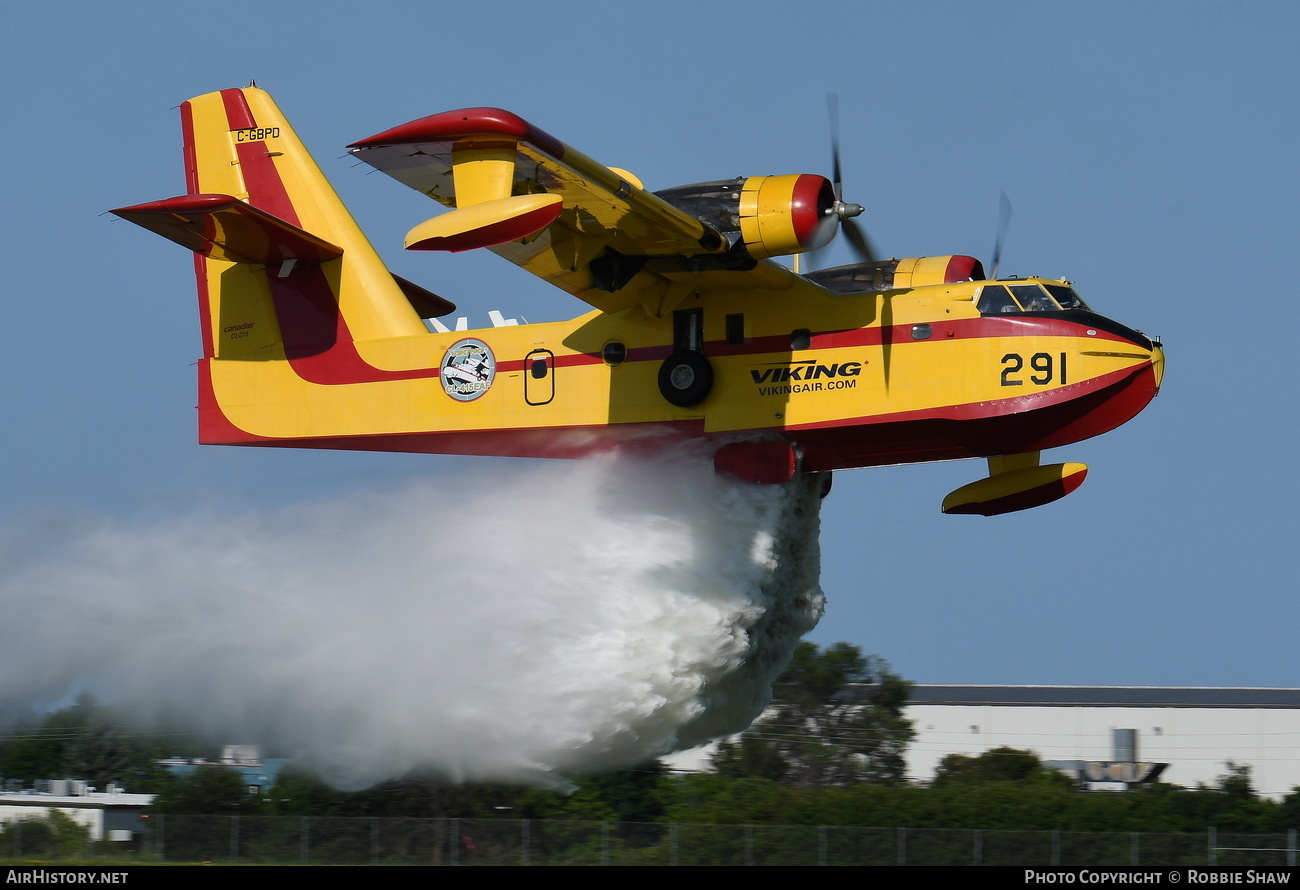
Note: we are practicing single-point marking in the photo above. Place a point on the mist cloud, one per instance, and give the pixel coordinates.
(560, 618)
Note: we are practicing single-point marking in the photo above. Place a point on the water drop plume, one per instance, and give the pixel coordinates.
(554, 619)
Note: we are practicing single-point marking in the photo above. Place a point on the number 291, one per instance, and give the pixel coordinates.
(1043, 369)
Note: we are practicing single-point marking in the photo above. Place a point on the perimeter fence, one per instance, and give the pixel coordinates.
(471, 842)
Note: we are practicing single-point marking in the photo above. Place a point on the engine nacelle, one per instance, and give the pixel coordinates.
(883, 275)
(771, 215)
(925, 270)
(781, 215)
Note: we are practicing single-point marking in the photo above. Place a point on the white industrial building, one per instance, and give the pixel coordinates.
(111, 815)
(1101, 729)
(1108, 736)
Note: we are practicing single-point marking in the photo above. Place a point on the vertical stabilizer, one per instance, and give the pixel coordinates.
(238, 143)
(292, 297)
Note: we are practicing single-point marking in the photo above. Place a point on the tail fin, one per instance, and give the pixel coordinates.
(283, 270)
(289, 287)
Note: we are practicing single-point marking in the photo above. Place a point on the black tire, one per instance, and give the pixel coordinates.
(685, 378)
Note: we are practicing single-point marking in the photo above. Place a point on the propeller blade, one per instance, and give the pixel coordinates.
(839, 216)
(1004, 220)
(833, 112)
(858, 238)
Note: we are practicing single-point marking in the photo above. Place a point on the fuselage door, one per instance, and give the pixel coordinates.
(688, 330)
(539, 377)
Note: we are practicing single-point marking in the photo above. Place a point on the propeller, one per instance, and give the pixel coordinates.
(840, 214)
(1004, 220)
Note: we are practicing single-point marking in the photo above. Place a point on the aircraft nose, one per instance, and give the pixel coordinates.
(1158, 364)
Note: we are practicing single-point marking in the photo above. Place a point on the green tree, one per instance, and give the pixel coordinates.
(996, 765)
(1288, 811)
(1231, 803)
(83, 741)
(54, 836)
(208, 790)
(1236, 783)
(836, 719)
(300, 792)
(635, 794)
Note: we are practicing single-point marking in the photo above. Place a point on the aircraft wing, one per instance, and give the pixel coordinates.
(586, 228)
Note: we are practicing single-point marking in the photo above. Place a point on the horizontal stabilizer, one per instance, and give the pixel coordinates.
(1016, 490)
(225, 228)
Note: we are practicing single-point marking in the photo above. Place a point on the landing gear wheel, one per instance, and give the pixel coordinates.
(685, 378)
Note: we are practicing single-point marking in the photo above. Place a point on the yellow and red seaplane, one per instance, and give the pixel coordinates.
(695, 331)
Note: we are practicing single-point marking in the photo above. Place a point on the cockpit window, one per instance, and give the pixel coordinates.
(999, 299)
(1033, 298)
(994, 300)
(1066, 296)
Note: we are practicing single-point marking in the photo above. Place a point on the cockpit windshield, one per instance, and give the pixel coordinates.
(1033, 298)
(1066, 296)
(1001, 299)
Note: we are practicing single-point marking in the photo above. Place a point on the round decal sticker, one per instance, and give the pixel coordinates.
(468, 369)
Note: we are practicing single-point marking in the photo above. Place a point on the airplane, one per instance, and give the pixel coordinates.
(695, 331)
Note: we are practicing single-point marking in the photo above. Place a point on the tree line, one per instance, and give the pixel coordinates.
(829, 751)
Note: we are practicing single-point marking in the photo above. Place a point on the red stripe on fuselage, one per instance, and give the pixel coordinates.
(317, 341)
(312, 328)
(983, 328)
(893, 439)
(214, 427)
(965, 432)
(992, 408)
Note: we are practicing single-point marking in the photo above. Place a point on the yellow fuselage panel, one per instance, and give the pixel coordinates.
(864, 360)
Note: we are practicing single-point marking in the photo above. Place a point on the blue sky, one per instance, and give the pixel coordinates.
(1148, 149)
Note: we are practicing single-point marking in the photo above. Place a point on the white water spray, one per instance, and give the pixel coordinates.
(569, 618)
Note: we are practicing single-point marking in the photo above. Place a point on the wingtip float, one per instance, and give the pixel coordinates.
(696, 332)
